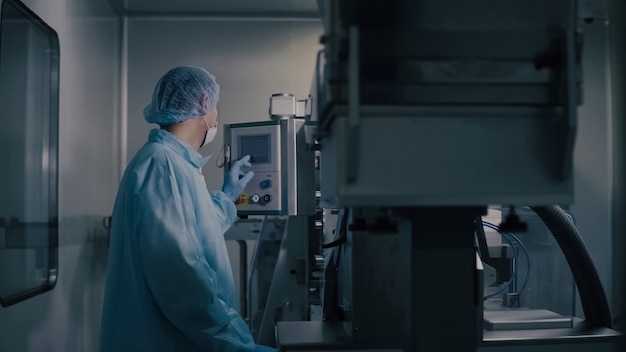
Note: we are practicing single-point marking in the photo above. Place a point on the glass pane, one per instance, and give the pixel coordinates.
(29, 68)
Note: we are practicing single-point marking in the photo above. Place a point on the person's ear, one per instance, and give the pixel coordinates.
(205, 102)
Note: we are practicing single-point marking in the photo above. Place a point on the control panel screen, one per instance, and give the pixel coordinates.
(257, 146)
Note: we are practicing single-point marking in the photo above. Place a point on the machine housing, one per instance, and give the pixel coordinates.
(283, 166)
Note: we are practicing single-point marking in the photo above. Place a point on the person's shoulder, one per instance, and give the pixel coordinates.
(152, 156)
(151, 165)
(153, 151)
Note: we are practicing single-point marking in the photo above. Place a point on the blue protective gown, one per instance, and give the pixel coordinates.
(169, 282)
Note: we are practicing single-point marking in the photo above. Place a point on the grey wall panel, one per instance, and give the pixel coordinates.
(68, 317)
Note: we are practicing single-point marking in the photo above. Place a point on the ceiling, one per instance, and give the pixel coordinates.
(261, 8)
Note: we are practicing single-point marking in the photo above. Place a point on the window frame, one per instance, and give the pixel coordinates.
(12, 228)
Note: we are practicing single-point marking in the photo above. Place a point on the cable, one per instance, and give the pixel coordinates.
(483, 249)
(508, 283)
(521, 244)
(336, 243)
(592, 295)
(528, 263)
(524, 249)
(223, 156)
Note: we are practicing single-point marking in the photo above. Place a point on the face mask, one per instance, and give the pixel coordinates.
(209, 135)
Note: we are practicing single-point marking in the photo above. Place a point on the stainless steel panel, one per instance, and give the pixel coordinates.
(270, 172)
(243, 230)
(290, 173)
(454, 159)
(286, 297)
(525, 319)
(291, 169)
(305, 185)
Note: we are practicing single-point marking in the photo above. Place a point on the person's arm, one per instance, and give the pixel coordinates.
(234, 183)
(227, 209)
(181, 281)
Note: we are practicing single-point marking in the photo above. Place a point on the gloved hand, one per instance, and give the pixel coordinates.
(233, 185)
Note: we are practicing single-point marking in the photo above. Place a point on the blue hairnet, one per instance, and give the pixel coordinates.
(179, 94)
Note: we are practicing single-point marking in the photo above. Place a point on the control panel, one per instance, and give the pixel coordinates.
(283, 165)
(262, 193)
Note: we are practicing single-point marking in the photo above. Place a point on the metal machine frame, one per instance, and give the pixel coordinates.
(473, 79)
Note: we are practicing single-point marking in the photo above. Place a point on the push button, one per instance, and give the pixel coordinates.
(242, 199)
(265, 184)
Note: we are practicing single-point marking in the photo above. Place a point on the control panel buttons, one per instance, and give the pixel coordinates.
(265, 184)
(255, 198)
(267, 198)
(241, 199)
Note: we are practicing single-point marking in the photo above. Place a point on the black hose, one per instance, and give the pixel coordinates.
(592, 295)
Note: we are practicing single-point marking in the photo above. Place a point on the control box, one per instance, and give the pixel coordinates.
(283, 165)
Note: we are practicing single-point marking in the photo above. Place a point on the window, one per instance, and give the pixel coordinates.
(29, 96)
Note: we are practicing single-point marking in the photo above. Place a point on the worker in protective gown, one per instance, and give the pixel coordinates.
(169, 283)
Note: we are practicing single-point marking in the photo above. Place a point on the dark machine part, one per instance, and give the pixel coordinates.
(316, 239)
(444, 235)
(483, 249)
(592, 295)
(269, 248)
(315, 269)
(332, 310)
(512, 222)
(503, 263)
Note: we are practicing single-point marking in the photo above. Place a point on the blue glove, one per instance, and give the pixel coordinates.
(261, 348)
(233, 184)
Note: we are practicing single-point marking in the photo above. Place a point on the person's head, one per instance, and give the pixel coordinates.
(184, 102)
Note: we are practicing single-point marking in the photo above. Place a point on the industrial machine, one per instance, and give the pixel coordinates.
(282, 163)
(279, 210)
(410, 98)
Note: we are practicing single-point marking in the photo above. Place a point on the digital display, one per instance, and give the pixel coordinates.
(257, 146)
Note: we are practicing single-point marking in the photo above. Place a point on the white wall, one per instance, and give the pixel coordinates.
(252, 59)
(68, 317)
